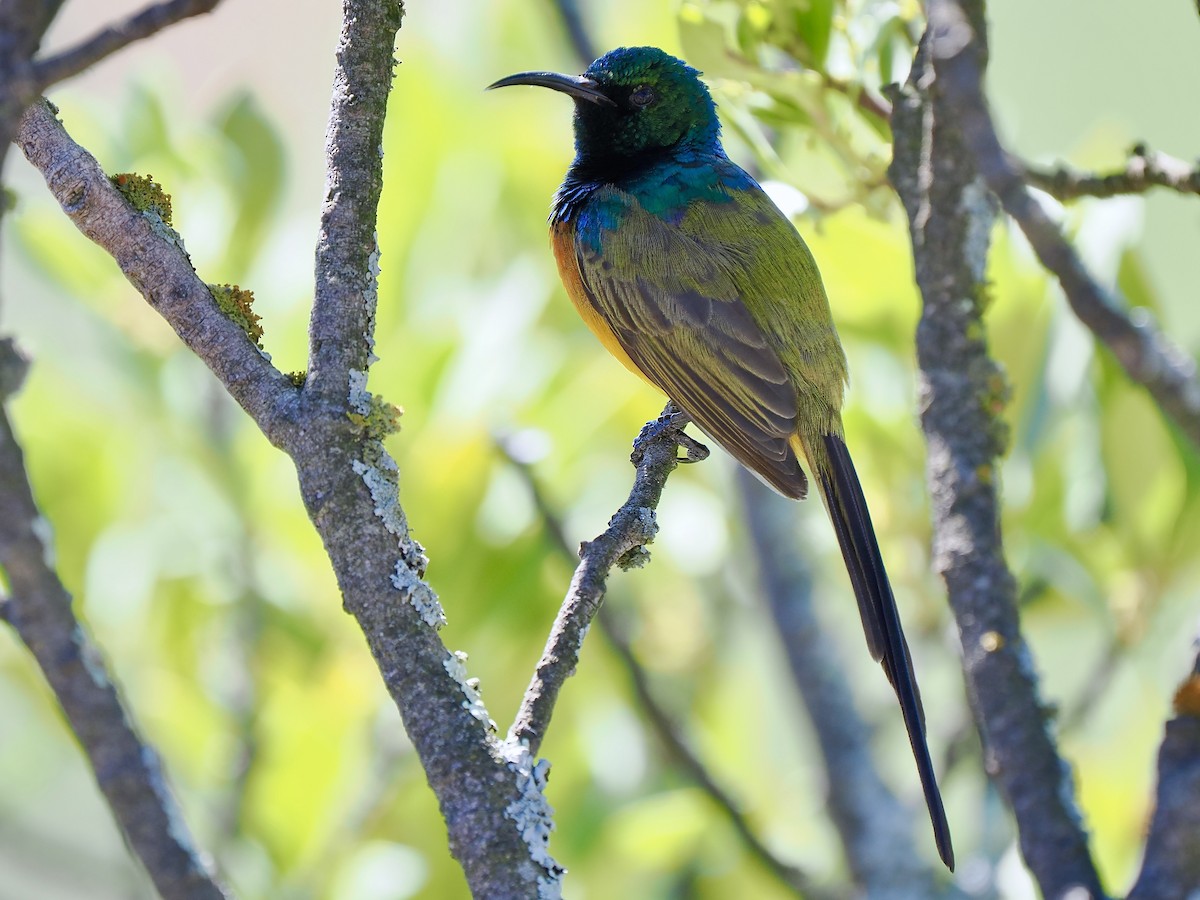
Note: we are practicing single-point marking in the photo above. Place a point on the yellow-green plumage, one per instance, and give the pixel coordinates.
(693, 278)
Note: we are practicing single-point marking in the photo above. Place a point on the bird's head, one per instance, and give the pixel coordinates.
(633, 102)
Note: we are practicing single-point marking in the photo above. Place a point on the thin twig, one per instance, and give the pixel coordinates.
(1146, 354)
(669, 732)
(113, 38)
(22, 25)
(1095, 686)
(577, 30)
(864, 98)
(961, 395)
(876, 830)
(127, 769)
(1145, 169)
(623, 543)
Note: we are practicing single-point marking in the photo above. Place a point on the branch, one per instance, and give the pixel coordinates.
(864, 98)
(22, 24)
(962, 391)
(341, 330)
(490, 793)
(1171, 868)
(1144, 170)
(107, 42)
(622, 544)
(151, 256)
(670, 734)
(127, 770)
(680, 749)
(1147, 356)
(876, 830)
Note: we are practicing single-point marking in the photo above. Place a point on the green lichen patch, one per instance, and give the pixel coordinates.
(379, 419)
(237, 305)
(144, 194)
(298, 377)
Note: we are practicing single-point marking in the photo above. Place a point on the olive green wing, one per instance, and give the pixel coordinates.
(673, 305)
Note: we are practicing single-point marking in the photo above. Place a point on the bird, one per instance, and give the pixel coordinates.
(690, 275)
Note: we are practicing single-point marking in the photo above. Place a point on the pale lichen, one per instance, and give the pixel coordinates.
(533, 816)
(456, 667)
(979, 208)
(420, 595)
(377, 418)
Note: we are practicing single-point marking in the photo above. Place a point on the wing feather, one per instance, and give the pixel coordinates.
(674, 307)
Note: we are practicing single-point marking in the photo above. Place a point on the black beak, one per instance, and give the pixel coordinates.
(577, 86)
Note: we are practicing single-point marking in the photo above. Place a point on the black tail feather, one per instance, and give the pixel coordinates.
(881, 621)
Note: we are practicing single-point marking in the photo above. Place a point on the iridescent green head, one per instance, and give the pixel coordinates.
(634, 102)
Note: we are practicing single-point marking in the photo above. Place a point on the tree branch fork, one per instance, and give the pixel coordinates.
(348, 483)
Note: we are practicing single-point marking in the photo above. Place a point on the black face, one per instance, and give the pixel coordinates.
(633, 102)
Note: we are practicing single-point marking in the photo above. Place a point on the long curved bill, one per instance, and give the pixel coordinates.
(577, 86)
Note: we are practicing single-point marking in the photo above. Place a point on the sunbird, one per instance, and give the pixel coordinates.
(689, 274)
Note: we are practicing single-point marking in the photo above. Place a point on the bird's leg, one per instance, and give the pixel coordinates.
(669, 425)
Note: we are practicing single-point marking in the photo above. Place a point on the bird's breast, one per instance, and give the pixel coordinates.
(562, 240)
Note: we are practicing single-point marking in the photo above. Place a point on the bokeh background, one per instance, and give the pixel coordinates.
(180, 532)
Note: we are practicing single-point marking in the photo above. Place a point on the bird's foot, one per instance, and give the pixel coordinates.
(669, 425)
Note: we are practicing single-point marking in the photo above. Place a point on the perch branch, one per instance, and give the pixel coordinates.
(670, 733)
(490, 793)
(623, 543)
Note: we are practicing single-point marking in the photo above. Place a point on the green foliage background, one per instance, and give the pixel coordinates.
(179, 530)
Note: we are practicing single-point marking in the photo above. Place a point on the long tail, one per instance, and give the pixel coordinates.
(834, 473)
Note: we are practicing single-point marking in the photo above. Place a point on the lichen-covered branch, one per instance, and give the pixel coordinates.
(108, 41)
(1144, 170)
(1171, 866)
(39, 610)
(623, 543)
(875, 829)
(341, 329)
(1144, 352)
(669, 732)
(490, 792)
(151, 255)
(962, 392)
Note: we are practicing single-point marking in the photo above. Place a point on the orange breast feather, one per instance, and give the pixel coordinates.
(562, 239)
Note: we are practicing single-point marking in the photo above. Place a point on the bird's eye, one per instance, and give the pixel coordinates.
(642, 97)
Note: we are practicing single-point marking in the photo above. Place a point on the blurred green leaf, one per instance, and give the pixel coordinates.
(257, 170)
